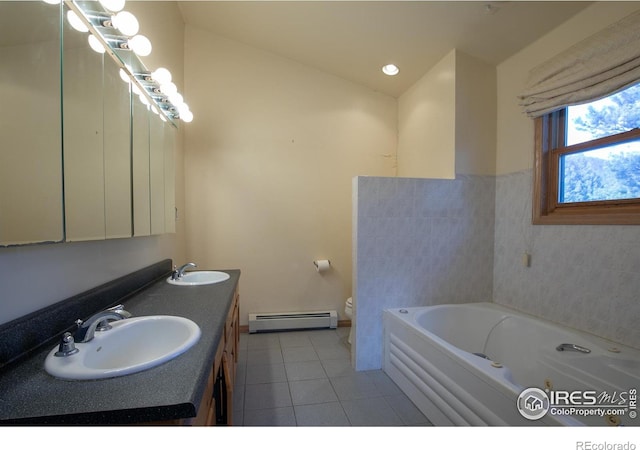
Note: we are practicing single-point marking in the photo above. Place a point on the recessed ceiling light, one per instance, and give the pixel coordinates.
(390, 69)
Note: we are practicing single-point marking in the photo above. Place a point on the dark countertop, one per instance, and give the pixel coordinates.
(29, 395)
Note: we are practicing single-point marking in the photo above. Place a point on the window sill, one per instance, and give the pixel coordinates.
(585, 215)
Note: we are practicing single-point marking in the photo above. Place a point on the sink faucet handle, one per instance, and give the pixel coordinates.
(120, 310)
(572, 347)
(67, 345)
(180, 271)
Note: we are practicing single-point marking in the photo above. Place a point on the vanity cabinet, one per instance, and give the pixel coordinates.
(81, 159)
(195, 389)
(96, 144)
(216, 406)
(229, 360)
(30, 124)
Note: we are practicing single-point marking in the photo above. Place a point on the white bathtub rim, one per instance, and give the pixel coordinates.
(600, 343)
(503, 375)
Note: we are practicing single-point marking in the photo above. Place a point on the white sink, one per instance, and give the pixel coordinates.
(130, 346)
(199, 277)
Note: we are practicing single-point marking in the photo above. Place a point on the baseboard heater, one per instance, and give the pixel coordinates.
(292, 321)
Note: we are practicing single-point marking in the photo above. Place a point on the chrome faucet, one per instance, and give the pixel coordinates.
(573, 348)
(67, 346)
(179, 272)
(99, 322)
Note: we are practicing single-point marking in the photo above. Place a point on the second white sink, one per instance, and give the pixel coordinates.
(199, 277)
(132, 345)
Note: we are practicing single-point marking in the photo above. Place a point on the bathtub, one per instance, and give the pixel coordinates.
(469, 364)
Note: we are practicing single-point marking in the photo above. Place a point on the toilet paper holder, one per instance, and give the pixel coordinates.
(322, 264)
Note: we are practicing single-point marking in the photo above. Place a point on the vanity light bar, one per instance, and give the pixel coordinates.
(145, 86)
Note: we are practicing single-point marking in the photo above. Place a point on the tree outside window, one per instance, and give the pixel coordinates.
(609, 173)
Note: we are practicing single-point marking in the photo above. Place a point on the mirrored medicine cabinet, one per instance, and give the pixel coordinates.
(80, 157)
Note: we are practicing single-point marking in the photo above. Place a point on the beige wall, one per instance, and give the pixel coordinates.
(447, 120)
(269, 160)
(475, 152)
(515, 130)
(426, 118)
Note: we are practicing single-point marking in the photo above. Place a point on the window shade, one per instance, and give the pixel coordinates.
(594, 68)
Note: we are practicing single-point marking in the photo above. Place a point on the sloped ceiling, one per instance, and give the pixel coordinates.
(354, 40)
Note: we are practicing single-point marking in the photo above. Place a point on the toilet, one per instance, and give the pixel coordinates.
(348, 310)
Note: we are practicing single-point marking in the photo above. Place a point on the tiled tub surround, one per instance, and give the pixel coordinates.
(172, 390)
(421, 242)
(418, 242)
(584, 277)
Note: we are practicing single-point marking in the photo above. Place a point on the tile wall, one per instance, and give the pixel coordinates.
(585, 277)
(418, 242)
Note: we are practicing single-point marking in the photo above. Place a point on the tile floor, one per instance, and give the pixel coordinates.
(305, 378)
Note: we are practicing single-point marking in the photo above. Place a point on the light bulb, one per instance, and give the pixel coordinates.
(390, 69)
(154, 109)
(143, 99)
(161, 75)
(176, 99)
(140, 45)
(187, 116)
(168, 88)
(124, 76)
(52, 2)
(76, 22)
(96, 45)
(135, 89)
(113, 5)
(183, 108)
(126, 23)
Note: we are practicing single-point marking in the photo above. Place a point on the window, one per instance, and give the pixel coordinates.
(587, 162)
